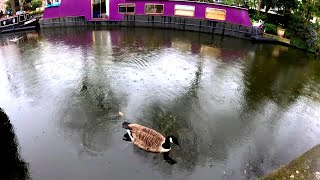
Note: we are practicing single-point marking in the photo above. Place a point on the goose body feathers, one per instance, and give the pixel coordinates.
(146, 138)
(149, 140)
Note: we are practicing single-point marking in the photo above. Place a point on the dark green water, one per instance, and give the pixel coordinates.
(239, 109)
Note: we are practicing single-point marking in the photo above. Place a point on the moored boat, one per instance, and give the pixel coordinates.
(18, 23)
(190, 15)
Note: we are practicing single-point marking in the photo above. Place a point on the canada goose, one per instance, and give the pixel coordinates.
(149, 140)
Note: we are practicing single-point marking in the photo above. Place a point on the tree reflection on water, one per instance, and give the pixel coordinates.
(226, 110)
(13, 166)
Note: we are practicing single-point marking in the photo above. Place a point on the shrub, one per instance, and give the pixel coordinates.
(258, 17)
(299, 43)
(271, 28)
(36, 12)
(288, 34)
(303, 35)
(35, 4)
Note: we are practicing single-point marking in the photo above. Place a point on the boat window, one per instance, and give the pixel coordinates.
(217, 14)
(52, 3)
(184, 10)
(15, 20)
(8, 22)
(126, 8)
(154, 8)
(22, 18)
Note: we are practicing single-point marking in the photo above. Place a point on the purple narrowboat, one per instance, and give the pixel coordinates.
(171, 14)
(116, 10)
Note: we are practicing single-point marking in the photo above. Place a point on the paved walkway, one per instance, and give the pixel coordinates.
(306, 166)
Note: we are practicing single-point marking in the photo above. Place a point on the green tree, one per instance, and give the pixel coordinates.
(36, 4)
(268, 4)
(21, 2)
(286, 6)
(311, 8)
(259, 6)
(10, 6)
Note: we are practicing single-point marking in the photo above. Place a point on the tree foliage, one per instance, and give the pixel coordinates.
(302, 34)
(285, 7)
(10, 6)
(294, 16)
(35, 4)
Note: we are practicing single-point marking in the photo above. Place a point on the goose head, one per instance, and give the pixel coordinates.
(173, 140)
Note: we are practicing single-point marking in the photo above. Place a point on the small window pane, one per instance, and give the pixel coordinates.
(122, 9)
(126, 8)
(15, 20)
(184, 10)
(154, 9)
(218, 14)
(21, 18)
(52, 3)
(130, 9)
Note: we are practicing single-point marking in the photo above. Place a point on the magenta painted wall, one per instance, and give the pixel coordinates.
(234, 15)
(69, 8)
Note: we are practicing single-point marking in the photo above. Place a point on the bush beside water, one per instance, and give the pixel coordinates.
(301, 34)
(271, 28)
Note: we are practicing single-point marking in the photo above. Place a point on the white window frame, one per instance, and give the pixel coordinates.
(180, 10)
(145, 8)
(126, 4)
(209, 9)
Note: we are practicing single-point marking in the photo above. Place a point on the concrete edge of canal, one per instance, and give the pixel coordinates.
(306, 166)
(178, 23)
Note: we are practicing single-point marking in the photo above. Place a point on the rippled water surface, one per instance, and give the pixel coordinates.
(239, 109)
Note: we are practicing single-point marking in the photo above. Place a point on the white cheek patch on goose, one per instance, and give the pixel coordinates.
(171, 140)
(129, 133)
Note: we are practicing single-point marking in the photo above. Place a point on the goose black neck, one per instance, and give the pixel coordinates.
(166, 144)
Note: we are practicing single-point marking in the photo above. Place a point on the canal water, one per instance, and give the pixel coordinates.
(239, 109)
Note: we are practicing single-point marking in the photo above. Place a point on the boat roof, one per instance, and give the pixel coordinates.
(5, 18)
(217, 4)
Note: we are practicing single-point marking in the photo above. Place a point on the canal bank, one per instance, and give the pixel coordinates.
(165, 22)
(306, 166)
(256, 35)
